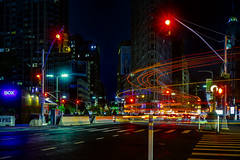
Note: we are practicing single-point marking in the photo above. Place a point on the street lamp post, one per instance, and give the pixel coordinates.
(57, 83)
(43, 75)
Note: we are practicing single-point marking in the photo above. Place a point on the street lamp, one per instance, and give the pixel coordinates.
(57, 82)
(208, 72)
(42, 98)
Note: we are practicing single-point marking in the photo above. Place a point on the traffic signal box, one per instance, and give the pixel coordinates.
(62, 40)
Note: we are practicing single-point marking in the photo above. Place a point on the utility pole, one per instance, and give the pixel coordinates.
(42, 84)
(225, 72)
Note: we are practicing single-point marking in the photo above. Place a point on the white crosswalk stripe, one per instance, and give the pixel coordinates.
(212, 147)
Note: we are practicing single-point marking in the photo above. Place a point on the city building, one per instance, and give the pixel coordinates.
(26, 28)
(233, 65)
(150, 44)
(86, 55)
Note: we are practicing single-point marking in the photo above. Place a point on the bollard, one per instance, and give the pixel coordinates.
(199, 127)
(218, 124)
(150, 138)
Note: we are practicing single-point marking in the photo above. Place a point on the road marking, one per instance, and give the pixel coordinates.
(111, 130)
(51, 148)
(215, 154)
(219, 141)
(126, 130)
(5, 139)
(6, 157)
(170, 131)
(217, 149)
(79, 142)
(99, 138)
(141, 130)
(116, 135)
(157, 130)
(218, 146)
(99, 129)
(203, 159)
(186, 131)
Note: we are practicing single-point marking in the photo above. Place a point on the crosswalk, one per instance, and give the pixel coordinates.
(133, 130)
(217, 147)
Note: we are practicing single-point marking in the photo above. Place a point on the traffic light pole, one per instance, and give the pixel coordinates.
(42, 93)
(225, 71)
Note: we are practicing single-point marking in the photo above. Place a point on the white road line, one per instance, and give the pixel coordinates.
(157, 130)
(216, 149)
(218, 146)
(126, 130)
(141, 130)
(98, 129)
(186, 131)
(51, 148)
(225, 144)
(170, 131)
(203, 159)
(79, 142)
(215, 154)
(99, 138)
(6, 157)
(5, 139)
(116, 135)
(111, 130)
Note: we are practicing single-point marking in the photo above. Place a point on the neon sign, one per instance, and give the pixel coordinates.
(9, 93)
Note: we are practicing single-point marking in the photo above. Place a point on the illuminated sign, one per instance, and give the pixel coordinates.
(9, 93)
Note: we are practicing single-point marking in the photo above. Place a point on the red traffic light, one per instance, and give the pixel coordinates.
(38, 76)
(58, 36)
(63, 101)
(130, 100)
(45, 94)
(220, 91)
(167, 22)
(77, 101)
(167, 92)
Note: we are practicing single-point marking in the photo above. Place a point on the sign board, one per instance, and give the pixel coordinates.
(9, 92)
(209, 83)
(7, 120)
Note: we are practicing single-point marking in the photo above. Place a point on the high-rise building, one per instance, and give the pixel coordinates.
(27, 27)
(88, 53)
(233, 32)
(150, 44)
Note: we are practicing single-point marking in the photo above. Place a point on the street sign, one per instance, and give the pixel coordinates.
(41, 98)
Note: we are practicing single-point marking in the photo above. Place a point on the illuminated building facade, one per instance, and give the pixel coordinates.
(233, 30)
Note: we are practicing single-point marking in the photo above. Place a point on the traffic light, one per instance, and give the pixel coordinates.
(66, 48)
(167, 22)
(77, 102)
(45, 94)
(167, 92)
(130, 100)
(38, 76)
(58, 36)
(63, 101)
(220, 91)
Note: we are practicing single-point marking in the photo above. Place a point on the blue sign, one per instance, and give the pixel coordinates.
(9, 92)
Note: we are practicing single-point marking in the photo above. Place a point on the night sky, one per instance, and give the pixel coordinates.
(107, 22)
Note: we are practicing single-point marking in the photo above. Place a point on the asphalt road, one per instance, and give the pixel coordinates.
(120, 141)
